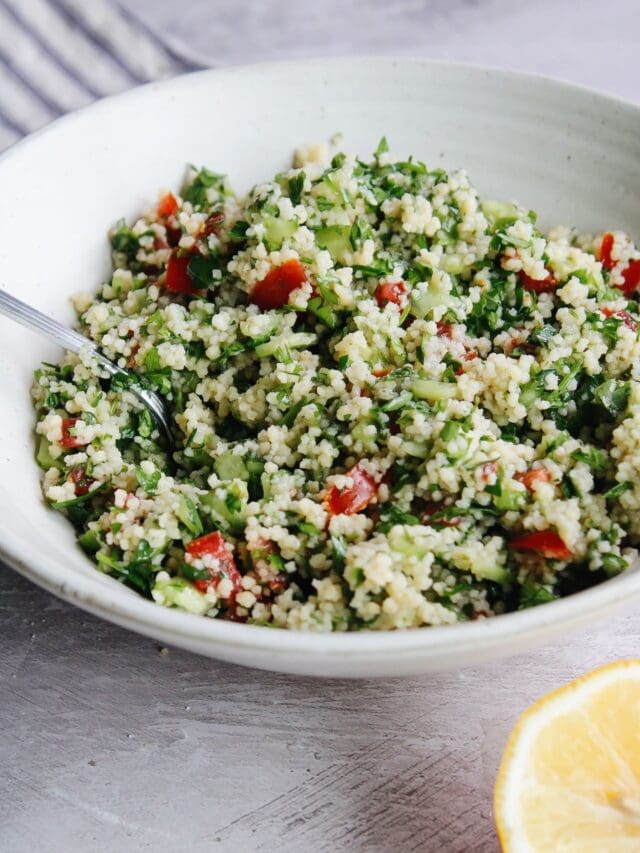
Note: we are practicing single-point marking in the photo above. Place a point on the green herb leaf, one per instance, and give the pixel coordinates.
(383, 147)
(613, 394)
(200, 270)
(296, 186)
(618, 490)
(148, 482)
(543, 335)
(596, 459)
(239, 231)
(532, 594)
(125, 241)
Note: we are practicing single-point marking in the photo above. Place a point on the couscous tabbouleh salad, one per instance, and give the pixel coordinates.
(395, 404)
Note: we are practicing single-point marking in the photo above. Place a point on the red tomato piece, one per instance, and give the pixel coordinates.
(631, 278)
(543, 285)
(278, 583)
(213, 545)
(391, 291)
(69, 438)
(167, 205)
(532, 476)
(626, 318)
(173, 236)
(81, 482)
(488, 472)
(274, 290)
(178, 279)
(605, 251)
(445, 330)
(355, 497)
(547, 543)
(213, 223)
(468, 356)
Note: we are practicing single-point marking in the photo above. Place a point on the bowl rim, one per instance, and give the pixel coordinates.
(144, 616)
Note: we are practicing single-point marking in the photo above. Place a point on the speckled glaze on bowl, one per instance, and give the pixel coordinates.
(571, 154)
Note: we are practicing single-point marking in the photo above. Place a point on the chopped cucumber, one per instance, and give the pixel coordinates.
(278, 230)
(188, 515)
(178, 592)
(424, 299)
(135, 302)
(510, 500)
(491, 573)
(453, 264)
(331, 190)
(335, 239)
(44, 458)
(432, 390)
(361, 433)
(497, 210)
(230, 466)
(89, 541)
(295, 340)
(416, 448)
(402, 540)
(227, 505)
(121, 282)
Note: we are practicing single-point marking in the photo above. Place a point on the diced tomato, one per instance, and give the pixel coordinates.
(213, 545)
(69, 438)
(381, 371)
(605, 251)
(131, 361)
(543, 285)
(213, 223)
(274, 289)
(626, 318)
(445, 330)
(468, 356)
(278, 583)
(391, 291)
(488, 472)
(262, 548)
(178, 279)
(354, 498)
(167, 205)
(81, 482)
(631, 278)
(547, 543)
(532, 476)
(173, 236)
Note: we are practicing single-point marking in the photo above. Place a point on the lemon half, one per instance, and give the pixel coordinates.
(570, 776)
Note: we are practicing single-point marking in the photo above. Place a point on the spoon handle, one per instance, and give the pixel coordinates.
(27, 316)
(35, 320)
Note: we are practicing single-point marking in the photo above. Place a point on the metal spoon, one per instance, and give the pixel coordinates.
(74, 342)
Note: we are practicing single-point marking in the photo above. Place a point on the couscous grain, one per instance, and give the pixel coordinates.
(395, 404)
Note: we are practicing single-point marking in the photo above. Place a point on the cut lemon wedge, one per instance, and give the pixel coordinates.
(570, 776)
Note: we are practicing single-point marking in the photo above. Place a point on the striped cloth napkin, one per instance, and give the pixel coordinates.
(58, 55)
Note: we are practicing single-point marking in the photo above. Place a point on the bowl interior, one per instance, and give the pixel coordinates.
(572, 155)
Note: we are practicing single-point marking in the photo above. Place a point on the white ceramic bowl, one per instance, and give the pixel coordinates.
(571, 154)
